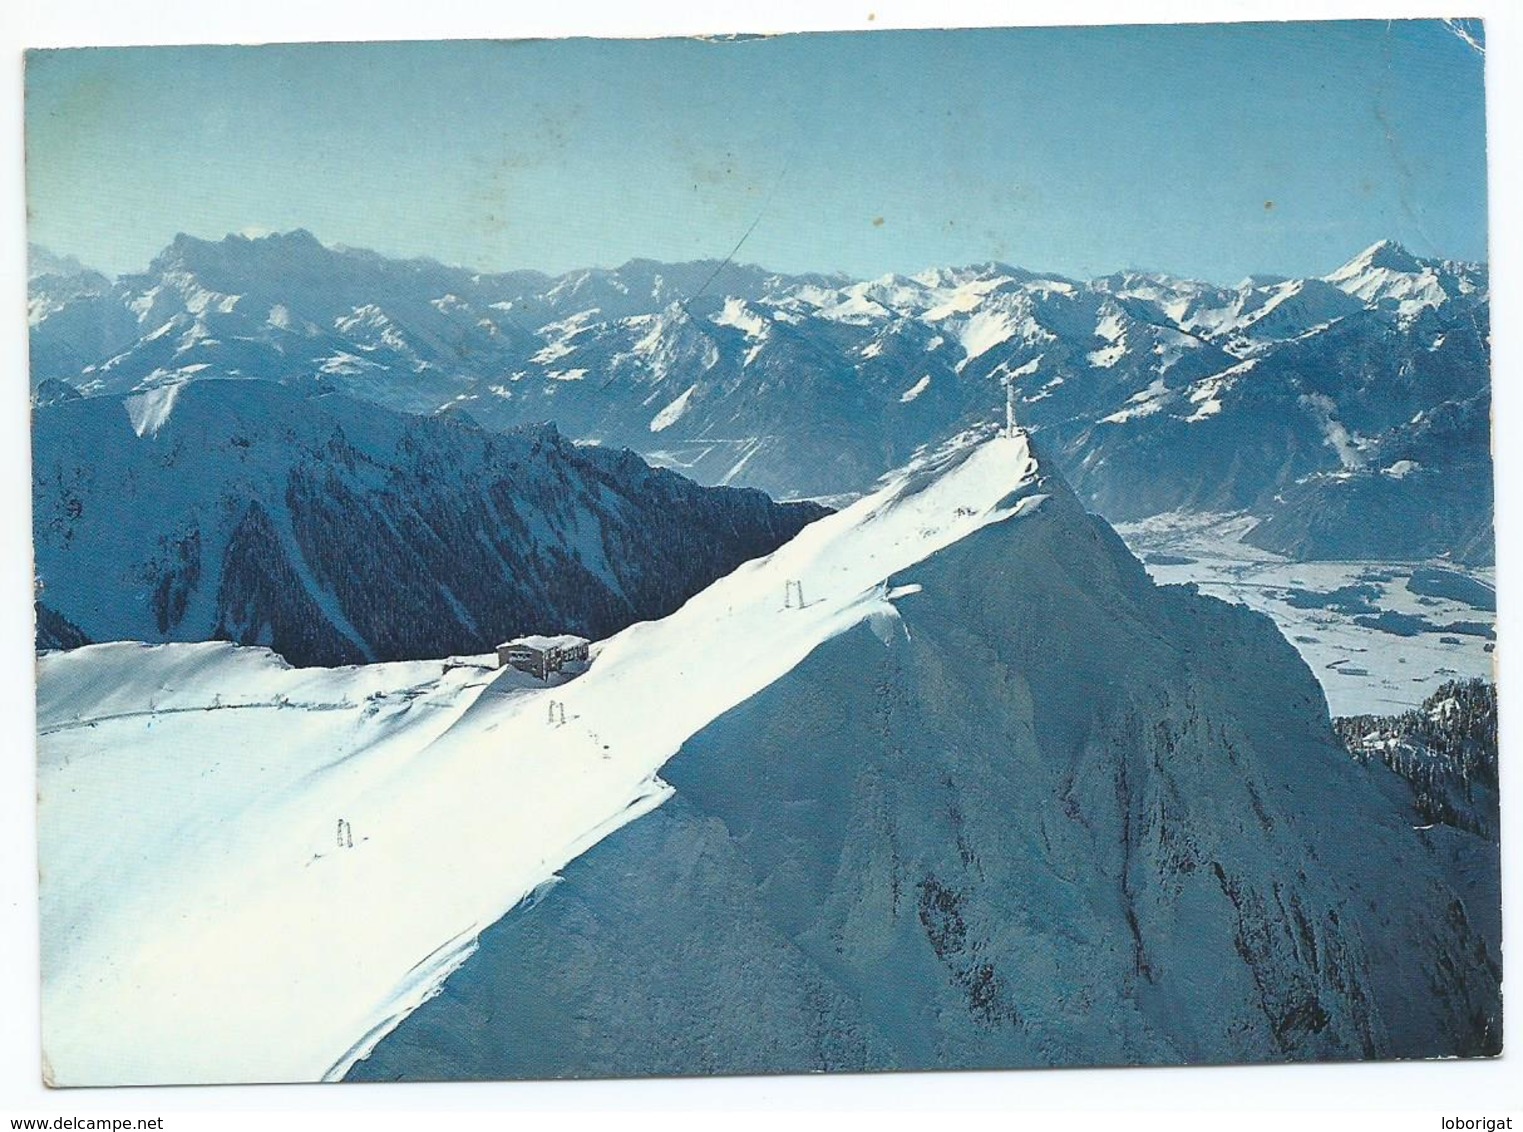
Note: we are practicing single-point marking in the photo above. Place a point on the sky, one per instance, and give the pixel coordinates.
(1208, 151)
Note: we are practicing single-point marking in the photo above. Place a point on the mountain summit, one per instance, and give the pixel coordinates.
(943, 781)
(1383, 255)
(1043, 813)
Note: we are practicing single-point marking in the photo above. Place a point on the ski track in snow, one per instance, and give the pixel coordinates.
(226, 930)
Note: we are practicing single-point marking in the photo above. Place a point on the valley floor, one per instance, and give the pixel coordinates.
(1380, 636)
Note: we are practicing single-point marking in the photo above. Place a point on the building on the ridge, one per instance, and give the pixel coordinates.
(539, 656)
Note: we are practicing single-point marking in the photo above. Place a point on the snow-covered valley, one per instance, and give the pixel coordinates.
(963, 786)
(1379, 636)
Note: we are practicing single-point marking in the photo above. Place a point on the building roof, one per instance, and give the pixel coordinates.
(544, 644)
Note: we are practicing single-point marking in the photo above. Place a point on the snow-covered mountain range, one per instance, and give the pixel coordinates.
(336, 531)
(947, 781)
(1349, 413)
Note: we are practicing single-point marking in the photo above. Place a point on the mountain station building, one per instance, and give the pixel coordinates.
(539, 656)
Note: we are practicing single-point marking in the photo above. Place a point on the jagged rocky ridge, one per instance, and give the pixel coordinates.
(335, 531)
(1050, 815)
(1334, 409)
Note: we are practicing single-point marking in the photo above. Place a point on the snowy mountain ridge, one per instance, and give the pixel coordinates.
(955, 785)
(1250, 398)
(1059, 817)
(427, 766)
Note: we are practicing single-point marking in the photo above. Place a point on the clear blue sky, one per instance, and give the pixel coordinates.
(1208, 151)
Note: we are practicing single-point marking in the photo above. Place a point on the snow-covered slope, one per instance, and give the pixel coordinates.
(1047, 815)
(1388, 276)
(436, 774)
(1152, 393)
(336, 531)
(987, 796)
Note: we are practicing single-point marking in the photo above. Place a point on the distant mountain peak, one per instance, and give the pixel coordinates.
(1261, 279)
(1388, 275)
(41, 261)
(1387, 255)
(187, 248)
